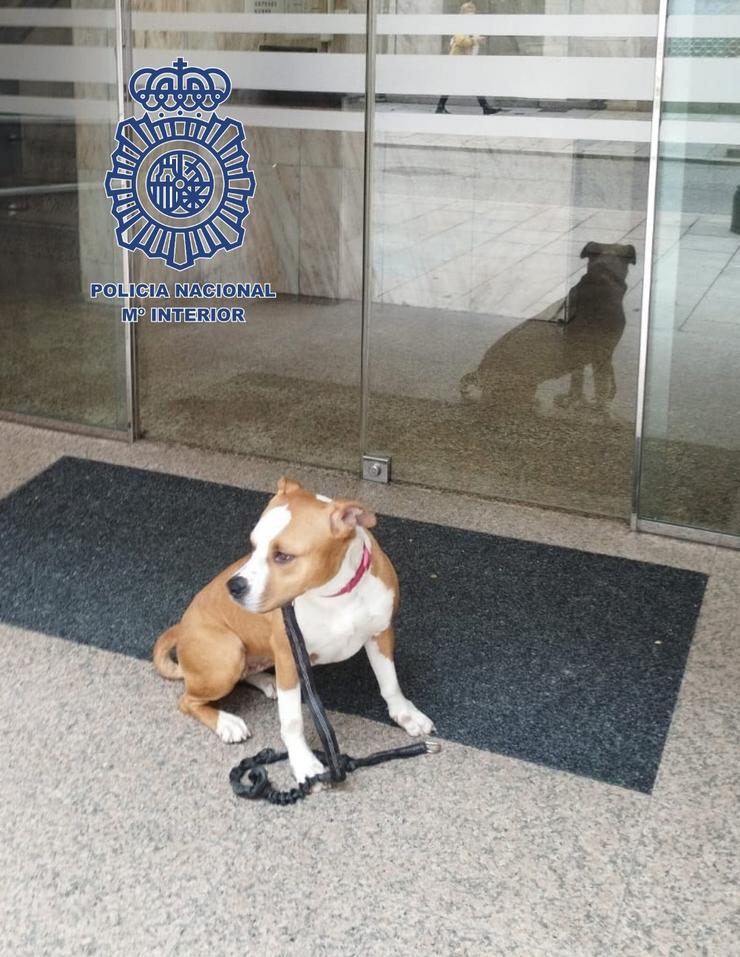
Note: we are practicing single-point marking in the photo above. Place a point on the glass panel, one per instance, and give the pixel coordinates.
(510, 172)
(691, 452)
(62, 356)
(286, 382)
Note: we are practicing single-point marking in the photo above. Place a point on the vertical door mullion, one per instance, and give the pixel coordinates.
(647, 279)
(367, 231)
(124, 69)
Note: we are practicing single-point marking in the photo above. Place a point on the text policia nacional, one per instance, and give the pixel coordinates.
(183, 290)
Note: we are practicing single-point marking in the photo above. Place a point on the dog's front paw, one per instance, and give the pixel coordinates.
(413, 721)
(307, 766)
(231, 729)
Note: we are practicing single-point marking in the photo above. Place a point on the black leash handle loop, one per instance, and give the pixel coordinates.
(260, 786)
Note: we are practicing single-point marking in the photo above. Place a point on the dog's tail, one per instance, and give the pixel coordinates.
(161, 655)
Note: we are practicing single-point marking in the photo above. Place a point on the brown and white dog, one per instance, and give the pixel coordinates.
(318, 553)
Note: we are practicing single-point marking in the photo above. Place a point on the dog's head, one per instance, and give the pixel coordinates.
(610, 258)
(298, 544)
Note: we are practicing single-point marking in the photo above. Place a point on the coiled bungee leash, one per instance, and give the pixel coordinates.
(339, 765)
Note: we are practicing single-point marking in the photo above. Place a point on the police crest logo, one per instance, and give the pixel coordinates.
(180, 182)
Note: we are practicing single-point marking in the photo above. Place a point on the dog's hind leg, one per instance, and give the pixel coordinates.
(212, 664)
(265, 681)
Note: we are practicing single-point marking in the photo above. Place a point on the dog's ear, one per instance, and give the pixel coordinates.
(591, 250)
(287, 485)
(629, 254)
(346, 516)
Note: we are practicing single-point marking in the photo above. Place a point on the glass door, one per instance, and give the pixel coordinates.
(690, 472)
(63, 357)
(285, 383)
(510, 176)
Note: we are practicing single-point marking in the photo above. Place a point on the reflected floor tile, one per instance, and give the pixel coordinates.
(410, 261)
(532, 237)
(447, 281)
(719, 244)
(455, 277)
(575, 239)
(682, 219)
(429, 292)
(485, 228)
(436, 221)
(534, 267)
(725, 287)
(665, 246)
(511, 212)
(516, 302)
(560, 261)
(638, 233)
(420, 228)
(557, 292)
(603, 234)
(715, 309)
(702, 261)
(711, 226)
(500, 253)
(712, 330)
(559, 220)
(449, 285)
(398, 209)
(616, 218)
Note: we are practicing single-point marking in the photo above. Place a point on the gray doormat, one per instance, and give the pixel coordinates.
(565, 658)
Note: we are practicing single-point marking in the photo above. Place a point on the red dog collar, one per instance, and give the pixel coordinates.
(355, 579)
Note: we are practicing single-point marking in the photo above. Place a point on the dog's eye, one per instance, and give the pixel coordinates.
(281, 558)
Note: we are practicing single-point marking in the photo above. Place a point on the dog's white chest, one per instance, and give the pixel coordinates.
(336, 628)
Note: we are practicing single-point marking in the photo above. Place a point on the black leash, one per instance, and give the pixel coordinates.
(339, 765)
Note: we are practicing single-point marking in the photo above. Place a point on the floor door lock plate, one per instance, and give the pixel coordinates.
(376, 468)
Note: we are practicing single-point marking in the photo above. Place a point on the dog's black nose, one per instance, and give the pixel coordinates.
(238, 586)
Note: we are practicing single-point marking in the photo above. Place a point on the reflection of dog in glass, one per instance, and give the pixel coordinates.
(580, 330)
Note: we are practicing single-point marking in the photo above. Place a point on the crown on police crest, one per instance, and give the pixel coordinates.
(180, 88)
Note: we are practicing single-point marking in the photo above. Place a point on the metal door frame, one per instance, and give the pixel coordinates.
(638, 524)
(123, 57)
(124, 69)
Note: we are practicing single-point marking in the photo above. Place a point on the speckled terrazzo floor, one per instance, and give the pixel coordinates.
(120, 838)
